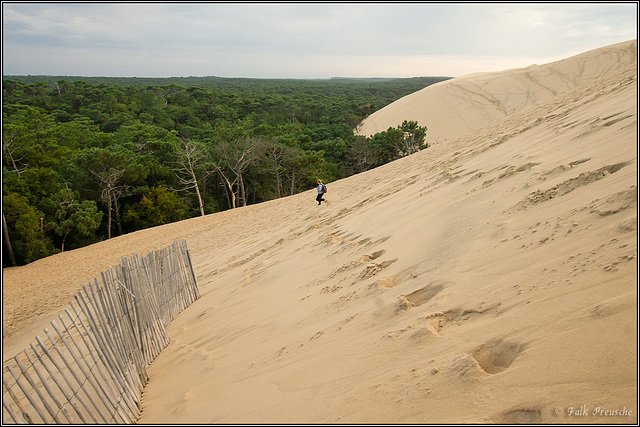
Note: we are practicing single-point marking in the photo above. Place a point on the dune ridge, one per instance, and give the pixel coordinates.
(454, 107)
(488, 278)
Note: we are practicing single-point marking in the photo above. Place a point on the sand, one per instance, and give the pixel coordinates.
(489, 278)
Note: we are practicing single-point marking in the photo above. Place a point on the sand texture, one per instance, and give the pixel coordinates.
(489, 278)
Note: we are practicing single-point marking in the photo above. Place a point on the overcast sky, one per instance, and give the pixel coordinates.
(302, 40)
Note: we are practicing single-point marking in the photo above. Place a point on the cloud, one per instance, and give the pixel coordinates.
(300, 39)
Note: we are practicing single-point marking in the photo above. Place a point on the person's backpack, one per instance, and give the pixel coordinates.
(324, 188)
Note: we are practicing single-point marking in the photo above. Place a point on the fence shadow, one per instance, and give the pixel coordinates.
(90, 365)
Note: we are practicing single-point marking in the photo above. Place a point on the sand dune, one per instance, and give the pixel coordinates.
(489, 278)
(452, 108)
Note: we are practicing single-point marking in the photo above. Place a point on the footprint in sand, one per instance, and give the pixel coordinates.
(497, 355)
(396, 279)
(424, 295)
(409, 301)
(418, 297)
(374, 268)
(353, 264)
(520, 416)
(439, 320)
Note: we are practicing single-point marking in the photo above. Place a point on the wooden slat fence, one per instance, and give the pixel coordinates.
(90, 365)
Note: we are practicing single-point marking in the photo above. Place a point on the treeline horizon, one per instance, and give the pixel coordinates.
(213, 80)
(90, 158)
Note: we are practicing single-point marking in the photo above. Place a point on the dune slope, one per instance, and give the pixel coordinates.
(488, 278)
(455, 107)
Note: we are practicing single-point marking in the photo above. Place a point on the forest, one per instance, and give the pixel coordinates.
(87, 159)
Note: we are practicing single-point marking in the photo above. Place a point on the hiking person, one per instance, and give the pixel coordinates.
(321, 190)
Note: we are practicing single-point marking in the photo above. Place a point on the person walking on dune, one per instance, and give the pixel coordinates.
(321, 190)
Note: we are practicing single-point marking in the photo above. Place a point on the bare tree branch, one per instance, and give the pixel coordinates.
(10, 149)
(190, 156)
(108, 180)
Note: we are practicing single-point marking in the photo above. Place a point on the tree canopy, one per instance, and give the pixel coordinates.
(86, 159)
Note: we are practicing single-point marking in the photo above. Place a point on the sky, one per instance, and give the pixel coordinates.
(301, 40)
